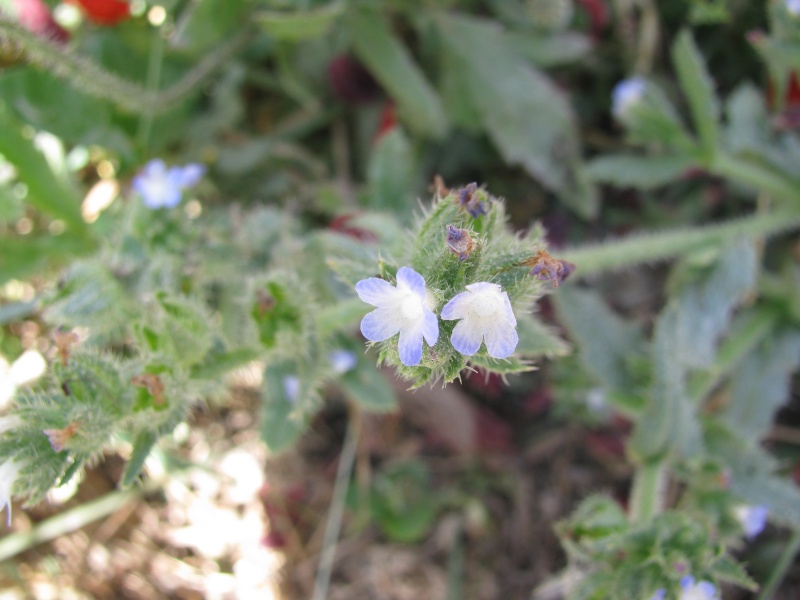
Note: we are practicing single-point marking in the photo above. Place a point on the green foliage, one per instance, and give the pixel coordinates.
(401, 502)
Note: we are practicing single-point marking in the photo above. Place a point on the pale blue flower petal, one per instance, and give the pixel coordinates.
(410, 346)
(191, 174)
(381, 324)
(753, 520)
(687, 581)
(291, 388)
(501, 341)
(376, 291)
(408, 278)
(512, 320)
(708, 589)
(342, 361)
(793, 6)
(430, 327)
(466, 338)
(458, 307)
(659, 595)
(480, 286)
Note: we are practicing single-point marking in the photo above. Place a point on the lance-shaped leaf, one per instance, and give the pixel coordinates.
(698, 87)
(644, 172)
(526, 116)
(392, 65)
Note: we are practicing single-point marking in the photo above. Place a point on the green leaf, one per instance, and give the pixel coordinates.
(142, 446)
(643, 172)
(300, 25)
(403, 503)
(526, 116)
(760, 385)
(537, 339)
(281, 420)
(729, 570)
(699, 90)
(391, 175)
(551, 50)
(45, 191)
(391, 63)
(208, 22)
(216, 365)
(23, 256)
(605, 342)
(367, 387)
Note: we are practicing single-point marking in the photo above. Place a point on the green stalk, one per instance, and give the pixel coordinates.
(779, 572)
(96, 81)
(334, 524)
(154, 64)
(647, 247)
(647, 495)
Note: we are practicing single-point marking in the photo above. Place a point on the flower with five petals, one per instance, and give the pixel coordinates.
(486, 314)
(402, 309)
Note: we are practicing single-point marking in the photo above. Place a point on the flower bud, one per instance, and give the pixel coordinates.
(459, 242)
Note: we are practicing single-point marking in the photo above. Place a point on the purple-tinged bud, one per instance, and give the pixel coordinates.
(473, 200)
(459, 241)
(547, 268)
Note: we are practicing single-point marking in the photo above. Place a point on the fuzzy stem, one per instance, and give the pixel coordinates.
(642, 248)
(334, 524)
(783, 565)
(647, 495)
(96, 81)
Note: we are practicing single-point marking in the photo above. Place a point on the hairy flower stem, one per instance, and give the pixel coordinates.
(647, 495)
(96, 81)
(154, 64)
(638, 249)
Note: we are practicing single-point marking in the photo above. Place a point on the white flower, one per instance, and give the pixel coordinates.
(793, 6)
(753, 519)
(8, 475)
(162, 187)
(626, 94)
(342, 361)
(701, 590)
(400, 309)
(486, 314)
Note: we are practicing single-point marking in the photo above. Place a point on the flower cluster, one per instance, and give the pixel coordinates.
(161, 187)
(483, 311)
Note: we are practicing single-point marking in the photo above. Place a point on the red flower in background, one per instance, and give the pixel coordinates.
(104, 12)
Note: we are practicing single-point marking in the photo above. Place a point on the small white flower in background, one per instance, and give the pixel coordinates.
(793, 6)
(162, 187)
(291, 388)
(8, 475)
(27, 368)
(402, 309)
(342, 361)
(486, 314)
(753, 519)
(626, 94)
(700, 590)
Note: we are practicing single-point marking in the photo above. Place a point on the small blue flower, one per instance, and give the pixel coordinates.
(342, 361)
(702, 590)
(660, 594)
(626, 94)
(486, 314)
(291, 388)
(161, 187)
(402, 309)
(753, 519)
(793, 6)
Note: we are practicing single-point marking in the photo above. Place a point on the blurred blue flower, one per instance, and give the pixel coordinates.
(626, 94)
(291, 388)
(793, 6)
(402, 309)
(701, 590)
(161, 187)
(342, 361)
(753, 519)
(660, 594)
(485, 313)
